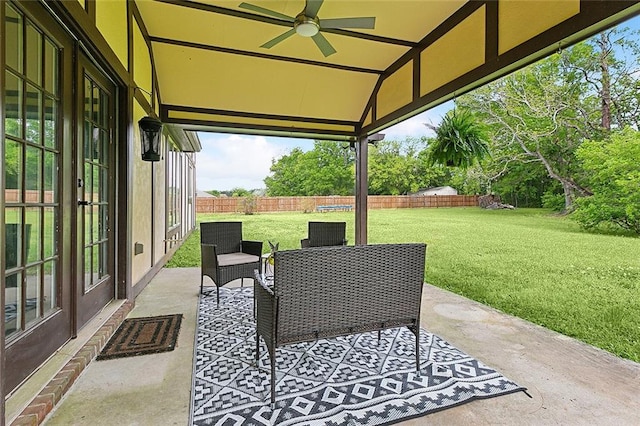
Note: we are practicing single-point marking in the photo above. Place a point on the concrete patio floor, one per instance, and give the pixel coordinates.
(570, 383)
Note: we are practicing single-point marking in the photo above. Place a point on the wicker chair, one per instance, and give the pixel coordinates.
(324, 292)
(225, 256)
(323, 234)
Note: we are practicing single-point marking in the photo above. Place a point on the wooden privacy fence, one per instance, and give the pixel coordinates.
(310, 204)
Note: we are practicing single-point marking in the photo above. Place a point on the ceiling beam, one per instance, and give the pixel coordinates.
(275, 21)
(263, 55)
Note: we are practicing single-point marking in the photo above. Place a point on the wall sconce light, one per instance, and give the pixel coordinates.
(376, 137)
(150, 135)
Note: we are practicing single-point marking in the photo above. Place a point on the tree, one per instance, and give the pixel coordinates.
(240, 192)
(286, 175)
(394, 167)
(614, 176)
(533, 114)
(611, 73)
(327, 169)
(545, 111)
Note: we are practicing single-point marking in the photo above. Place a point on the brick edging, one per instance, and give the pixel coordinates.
(40, 406)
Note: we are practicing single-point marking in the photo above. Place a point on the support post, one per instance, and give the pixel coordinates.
(362, 189)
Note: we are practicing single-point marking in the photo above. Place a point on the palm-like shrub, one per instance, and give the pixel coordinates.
(460, 140)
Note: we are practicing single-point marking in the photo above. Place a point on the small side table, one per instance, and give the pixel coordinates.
(264, 259)
(258, 280)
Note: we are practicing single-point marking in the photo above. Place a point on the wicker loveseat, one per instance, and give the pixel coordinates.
(324, 292)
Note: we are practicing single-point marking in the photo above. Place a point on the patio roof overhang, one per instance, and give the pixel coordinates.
(212, 74)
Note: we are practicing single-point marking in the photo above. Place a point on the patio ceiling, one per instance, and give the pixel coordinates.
(212, 73)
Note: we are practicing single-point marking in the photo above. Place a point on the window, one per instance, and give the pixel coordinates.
(30, 164)
(180, 174)
(174, 187)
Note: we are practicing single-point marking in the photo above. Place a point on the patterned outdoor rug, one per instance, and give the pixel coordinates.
(351, 380)
(140, 336)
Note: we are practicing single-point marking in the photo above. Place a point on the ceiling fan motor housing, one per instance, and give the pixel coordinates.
(306, 26)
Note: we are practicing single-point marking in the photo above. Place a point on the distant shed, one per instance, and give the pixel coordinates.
(202, 194)
(438, 190)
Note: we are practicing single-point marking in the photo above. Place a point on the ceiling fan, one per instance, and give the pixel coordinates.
(307, 24)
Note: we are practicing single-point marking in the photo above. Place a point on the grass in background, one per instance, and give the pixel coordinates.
(524, 262)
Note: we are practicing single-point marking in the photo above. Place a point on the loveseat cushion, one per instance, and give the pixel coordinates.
(236, 259)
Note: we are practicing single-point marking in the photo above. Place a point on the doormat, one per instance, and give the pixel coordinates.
(141, 336)
(350, 380)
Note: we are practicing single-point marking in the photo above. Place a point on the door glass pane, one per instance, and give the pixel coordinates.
(95, 188)
(13, 104)
(104, 110)
(13, 237)
(95, 264)
(104, 147)
(103, 260)
(50, 67)
(95, 102)
(33, 171)
(88, 181)
(50, 232)
(95, 145)
(88, 128)
(95, 216)
(32, 231)
(34, 108)
(103, 221)
(32, 305)
(49, 297)
(13, 38)
(88, 222)
(12, 303)
(50, 177)
(50, 118)
(87, 98)
(13, 171)
(34, 54)
(88, 283)
(104, 185)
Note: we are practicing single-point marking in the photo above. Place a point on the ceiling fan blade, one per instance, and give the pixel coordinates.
(264, 11)
(312, 8)
(323, 44)
(366, 23)
(281, 37)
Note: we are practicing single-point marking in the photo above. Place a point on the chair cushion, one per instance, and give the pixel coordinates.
(236, 259)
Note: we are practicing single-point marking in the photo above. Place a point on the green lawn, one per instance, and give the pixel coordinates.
(525, 262)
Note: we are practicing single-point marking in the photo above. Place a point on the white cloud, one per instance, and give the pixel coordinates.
(229, 161)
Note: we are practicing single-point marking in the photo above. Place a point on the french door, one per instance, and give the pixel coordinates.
(59, 192)
(37, 163)
(95, 192)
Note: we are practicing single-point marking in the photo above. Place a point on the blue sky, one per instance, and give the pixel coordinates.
(230, 161)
